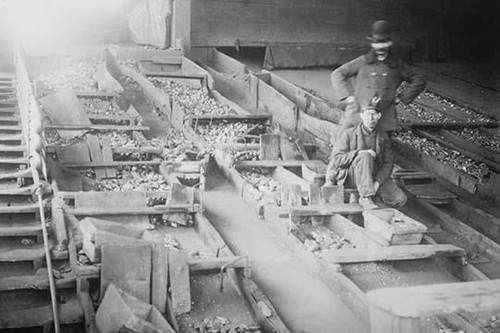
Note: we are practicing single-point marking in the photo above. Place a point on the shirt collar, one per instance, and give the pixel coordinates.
(391, 61)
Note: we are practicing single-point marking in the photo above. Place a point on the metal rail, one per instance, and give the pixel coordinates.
(31, 120)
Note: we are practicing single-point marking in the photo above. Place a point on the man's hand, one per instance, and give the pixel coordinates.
(368, 151)
(350, 99)
(376, 186)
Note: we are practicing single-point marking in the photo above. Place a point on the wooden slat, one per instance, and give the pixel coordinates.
(216, 263)
(324, 210)
(6, 128)
(96, 155)
(127, 267)
(159, 277)
(107, 156)
(273, 164)
(253, 118)
(430, 192)
(269, 146)
(105, 164)
(453, 124)
(38, 282)
(173, 75)
(63, 108)
(70, 312)
(20, 231)
(430, 300)
(179, 282)
(18, 174)
(95, 211)
(96, 127)
(393, 253)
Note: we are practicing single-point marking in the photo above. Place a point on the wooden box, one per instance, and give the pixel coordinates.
(394, 226)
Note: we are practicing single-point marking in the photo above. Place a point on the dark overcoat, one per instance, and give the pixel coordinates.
(371, 78)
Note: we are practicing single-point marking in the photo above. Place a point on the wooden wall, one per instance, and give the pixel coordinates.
(260, 22)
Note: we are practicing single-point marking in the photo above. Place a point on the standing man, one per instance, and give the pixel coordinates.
(376, 74)
(362, 158)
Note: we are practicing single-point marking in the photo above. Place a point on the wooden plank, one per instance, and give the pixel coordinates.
(37, 282)
(324, 210)
(107, 156)
(252, 118)
(84, 127)
(59, 223)
(393, 253)
(87, 306)
(129, 268)
(110, 199)
(70, 312)
(430, 192)
(384, 322)
(357, 235)
(269, 146)
(96, 155)
(173, 75)
(179, 282)
(63, 108)
(431, 300)
(454, 124)
(275, 163)
(312, 105)
(290, 151)
(106, 164)
(159, 277)
(135, 211)
(105, 81)
(283, 110)
(209, 264)
(75, 153)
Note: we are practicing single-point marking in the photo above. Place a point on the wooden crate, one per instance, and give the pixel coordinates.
(394, 226)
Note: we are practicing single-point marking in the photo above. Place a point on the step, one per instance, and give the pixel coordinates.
(15, 252)
(11, 102)
(70, 312)
(38, 282)
(11, 128)
(20, 231)
(20, 209)
(7, 109)
(6, 120)
(10, 148)
(18, 160)
(18, 174)
(11, 137)
(27, 190)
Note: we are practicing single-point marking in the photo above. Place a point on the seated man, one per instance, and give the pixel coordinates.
(362, 158)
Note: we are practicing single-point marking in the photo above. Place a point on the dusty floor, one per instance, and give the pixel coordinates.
(304, 302)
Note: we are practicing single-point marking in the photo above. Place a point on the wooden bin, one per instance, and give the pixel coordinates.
(394, 226)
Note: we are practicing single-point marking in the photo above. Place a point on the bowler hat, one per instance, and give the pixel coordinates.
(380, 32)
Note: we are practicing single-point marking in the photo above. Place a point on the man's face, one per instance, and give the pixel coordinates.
(370, 118)
(381, 48)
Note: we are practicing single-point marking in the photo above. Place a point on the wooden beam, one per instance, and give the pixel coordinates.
(274, 164)
(38, 282)
(217, 263)
(106, 164)
(95, 211)
(453, 124)
(324, 210)
(253, 118)
(436, 299)
(97, 127)
(393, 253)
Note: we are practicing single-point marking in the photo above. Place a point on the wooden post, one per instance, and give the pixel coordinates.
(382, 321)
(181, 25)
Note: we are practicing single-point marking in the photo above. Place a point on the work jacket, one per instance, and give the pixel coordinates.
(346, 149)
(376, 78)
